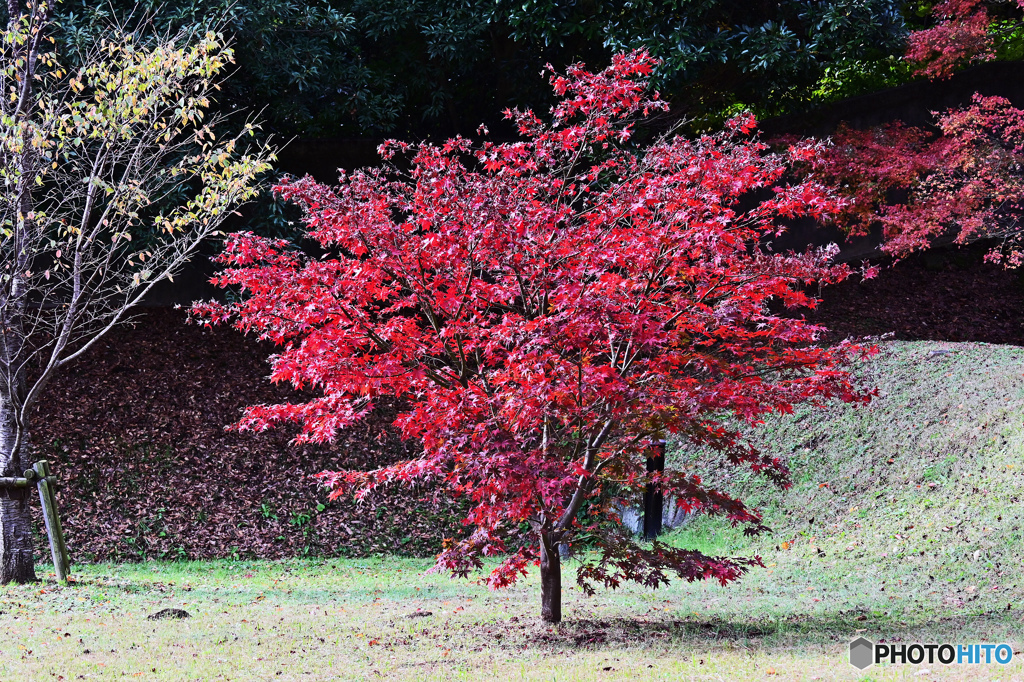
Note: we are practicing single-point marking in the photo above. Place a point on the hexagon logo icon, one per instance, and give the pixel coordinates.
(862, 653)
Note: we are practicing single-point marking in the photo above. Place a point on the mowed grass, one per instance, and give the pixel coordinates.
(355, 620)
(904, 524)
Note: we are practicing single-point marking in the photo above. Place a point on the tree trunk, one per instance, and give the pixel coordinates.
(654, 499)
(16, 563)
(550, 581)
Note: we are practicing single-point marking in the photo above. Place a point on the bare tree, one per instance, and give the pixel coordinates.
(112, 176)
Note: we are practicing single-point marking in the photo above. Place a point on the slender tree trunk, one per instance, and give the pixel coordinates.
(550, 581)
(16, 562)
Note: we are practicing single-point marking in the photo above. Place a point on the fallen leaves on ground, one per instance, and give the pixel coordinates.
(135, 432)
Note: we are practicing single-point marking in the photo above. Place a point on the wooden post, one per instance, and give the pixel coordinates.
(61, 544)
(653, 496)
(58, 548)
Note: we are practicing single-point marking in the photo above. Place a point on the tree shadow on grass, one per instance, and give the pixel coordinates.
(596, 633)
(789, 631)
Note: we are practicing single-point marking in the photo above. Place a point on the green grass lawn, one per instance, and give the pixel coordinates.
(308, 620)
(904, 523)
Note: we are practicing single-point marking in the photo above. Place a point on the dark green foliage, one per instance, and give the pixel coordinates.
(289, 55)
(719, 56)
(357, 68)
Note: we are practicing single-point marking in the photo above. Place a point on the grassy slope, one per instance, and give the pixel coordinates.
(923, 486)
(921, 548)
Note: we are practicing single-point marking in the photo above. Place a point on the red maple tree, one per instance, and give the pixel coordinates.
(959, 38)
(958, 181)
(542, 309)
(961, 183)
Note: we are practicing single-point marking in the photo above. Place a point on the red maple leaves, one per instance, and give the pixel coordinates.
(541, 309)
(962, 35)
(959, 38)
(962, 184)
(958, 181)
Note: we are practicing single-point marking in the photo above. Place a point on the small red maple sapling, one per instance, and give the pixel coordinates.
(542, 309)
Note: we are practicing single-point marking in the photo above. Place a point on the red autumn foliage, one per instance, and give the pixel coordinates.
(962, 183)
(544, 308)
(962, 35)
(959, 181)
(959, 38)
